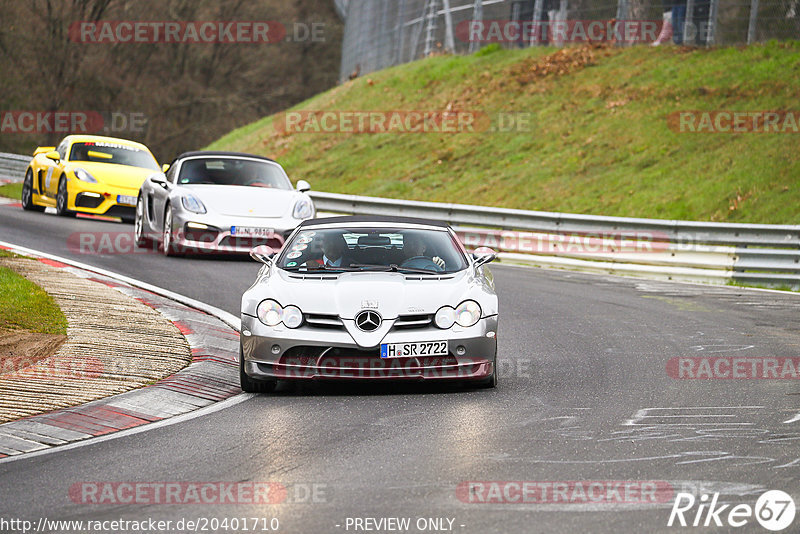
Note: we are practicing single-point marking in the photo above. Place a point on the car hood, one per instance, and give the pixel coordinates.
(114, 174)
(245, 201)
(390, 294)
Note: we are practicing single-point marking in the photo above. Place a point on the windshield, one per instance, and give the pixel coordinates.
(382, 249)
(231, 171)
(103, 152)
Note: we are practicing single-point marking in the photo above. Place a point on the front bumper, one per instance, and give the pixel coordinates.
(99, 199)
(309, 353)
(218, 238)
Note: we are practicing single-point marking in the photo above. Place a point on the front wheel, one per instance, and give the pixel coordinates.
(139, 237)
(61, 200)
(167, 246)
(27, 193)
(249, 385)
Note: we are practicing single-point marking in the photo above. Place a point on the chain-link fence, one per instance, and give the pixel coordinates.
(383, 33)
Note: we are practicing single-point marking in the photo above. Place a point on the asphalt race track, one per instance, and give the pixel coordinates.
(584, 395)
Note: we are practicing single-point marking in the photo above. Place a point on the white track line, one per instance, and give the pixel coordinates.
(227, 403)
(228, 318)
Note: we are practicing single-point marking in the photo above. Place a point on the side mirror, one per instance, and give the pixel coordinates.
(53, 155)
(160, 179)
(165, 167)
(263, 253)
(303, 186)
(483, 255)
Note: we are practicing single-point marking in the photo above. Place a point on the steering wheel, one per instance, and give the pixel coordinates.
(421, 262)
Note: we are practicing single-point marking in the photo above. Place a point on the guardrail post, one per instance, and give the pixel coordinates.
(538, 34)
(751, 28)
(430, 27)
(688, 23)
(449, 38)
(477, 14)
(713, 15)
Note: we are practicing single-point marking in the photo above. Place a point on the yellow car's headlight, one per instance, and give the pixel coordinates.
(84, 176)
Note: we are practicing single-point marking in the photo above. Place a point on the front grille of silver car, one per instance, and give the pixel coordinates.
(429, 277)
(314, 276)
(319, 320)
(414, 321)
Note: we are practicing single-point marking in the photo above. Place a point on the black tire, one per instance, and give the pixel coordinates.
(167, 246)
(62, 198)
(140, 239)
(27, 193)
(249, 385)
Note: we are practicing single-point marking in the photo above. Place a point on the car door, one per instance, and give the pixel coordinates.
(157, 198)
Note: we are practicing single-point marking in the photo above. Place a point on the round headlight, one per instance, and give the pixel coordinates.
(292, 316)
(445, 317)
(270, 313)
(468, 313)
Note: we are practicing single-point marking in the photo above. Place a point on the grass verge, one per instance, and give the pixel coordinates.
(600, 139)
(25, 305)
(11, 191)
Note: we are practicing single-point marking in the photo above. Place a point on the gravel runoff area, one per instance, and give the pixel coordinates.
(114, 344)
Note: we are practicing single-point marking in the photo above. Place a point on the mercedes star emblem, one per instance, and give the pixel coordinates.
(368, 321)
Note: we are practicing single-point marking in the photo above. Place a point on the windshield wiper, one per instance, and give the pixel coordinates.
(393, 268)
(376, 267)
(321, 268)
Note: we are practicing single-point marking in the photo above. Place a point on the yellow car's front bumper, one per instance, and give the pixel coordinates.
(101, 199)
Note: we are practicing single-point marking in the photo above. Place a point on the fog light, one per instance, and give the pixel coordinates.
(246, 332)
(197, 226)
(490, 334)
(461, 350)
(276, 349)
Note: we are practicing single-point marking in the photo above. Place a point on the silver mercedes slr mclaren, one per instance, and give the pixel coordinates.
(370, 298)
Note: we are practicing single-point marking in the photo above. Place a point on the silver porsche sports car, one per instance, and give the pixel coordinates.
(372, 298)
(219, 202)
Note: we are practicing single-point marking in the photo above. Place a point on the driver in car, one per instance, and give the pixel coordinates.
(414, 249)
(333, 249)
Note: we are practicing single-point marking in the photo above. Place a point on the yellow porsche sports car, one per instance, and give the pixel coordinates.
(88, 174)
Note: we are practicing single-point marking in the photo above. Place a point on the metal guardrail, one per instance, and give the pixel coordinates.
(697, 251)
(700, 251)
(12, 166)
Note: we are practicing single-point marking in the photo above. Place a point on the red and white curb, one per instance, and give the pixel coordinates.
(211, 377)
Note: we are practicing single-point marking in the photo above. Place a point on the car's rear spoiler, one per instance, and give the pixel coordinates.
(43, 150)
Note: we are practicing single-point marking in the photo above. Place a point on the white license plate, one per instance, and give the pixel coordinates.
(411, 350)
(126, 200)
(249, 231)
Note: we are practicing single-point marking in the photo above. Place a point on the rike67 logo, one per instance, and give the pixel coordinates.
(774, 510)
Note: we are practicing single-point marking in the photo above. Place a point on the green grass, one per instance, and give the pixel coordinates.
(11, 191)
(599, 141)
(25, 305)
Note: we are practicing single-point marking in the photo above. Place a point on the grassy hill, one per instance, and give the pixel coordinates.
(598, 140)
